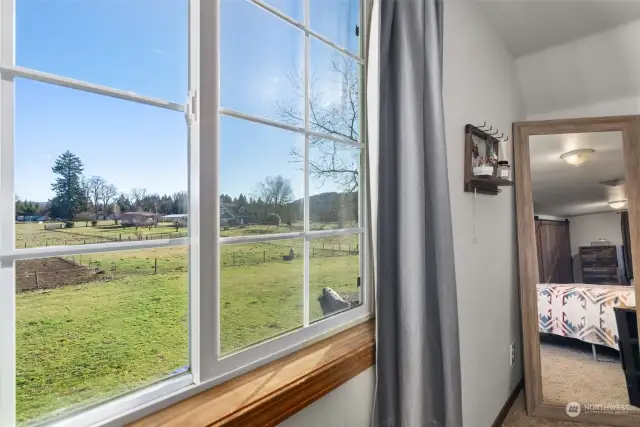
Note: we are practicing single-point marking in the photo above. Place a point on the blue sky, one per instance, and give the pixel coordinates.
(141, 46)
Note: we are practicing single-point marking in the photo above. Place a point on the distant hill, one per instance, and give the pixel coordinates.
(332, 206)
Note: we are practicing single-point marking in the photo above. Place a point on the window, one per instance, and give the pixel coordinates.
(179, 203)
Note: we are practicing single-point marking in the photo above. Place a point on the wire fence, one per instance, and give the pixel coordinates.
(67, 238)
(54, 272)
(289, 253)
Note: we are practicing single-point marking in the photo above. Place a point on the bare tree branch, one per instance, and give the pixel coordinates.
(331, 161)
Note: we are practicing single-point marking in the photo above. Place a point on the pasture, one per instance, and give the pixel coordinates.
(127, 327)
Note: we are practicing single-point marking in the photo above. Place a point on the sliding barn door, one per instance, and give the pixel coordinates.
(554, 252)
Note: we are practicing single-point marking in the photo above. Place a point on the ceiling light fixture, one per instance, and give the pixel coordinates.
(618, 204)
(577, 157)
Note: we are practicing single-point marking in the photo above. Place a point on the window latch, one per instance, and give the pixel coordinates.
(190, 107)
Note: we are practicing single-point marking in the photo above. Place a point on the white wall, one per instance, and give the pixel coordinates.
(597, 75)
(348, 405)
(480, 83)
(589, 228)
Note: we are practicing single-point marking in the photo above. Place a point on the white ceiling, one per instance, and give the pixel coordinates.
(564, 190)
(528, 26)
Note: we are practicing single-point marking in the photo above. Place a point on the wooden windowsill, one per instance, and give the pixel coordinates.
(274, 392)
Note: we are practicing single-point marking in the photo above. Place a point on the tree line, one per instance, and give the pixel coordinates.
(79, 196)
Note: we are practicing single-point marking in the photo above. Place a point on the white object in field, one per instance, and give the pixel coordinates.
(39, 222)
(483, 170)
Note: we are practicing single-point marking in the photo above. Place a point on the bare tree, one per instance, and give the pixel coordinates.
(84, 184)
(275, 191)
(329, 160)
(138, 195)
(95, 187)
(109, 194)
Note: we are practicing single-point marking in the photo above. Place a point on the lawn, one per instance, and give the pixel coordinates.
(33, 235)
(81, 343)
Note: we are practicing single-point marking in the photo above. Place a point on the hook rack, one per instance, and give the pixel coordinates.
(483, 184)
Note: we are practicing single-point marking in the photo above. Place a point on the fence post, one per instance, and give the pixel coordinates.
(120, 234)
(264, 256)
(155, 266)
(80, 259)
(37, 284)
(333, 251)
(234, 258)
(313, 251)
(25, 244)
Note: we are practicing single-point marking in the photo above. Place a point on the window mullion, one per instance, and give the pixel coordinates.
(205, 301)
(7, 240)
(307, 142)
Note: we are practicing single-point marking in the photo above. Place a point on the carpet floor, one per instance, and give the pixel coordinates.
(569, 374)
(518, 417)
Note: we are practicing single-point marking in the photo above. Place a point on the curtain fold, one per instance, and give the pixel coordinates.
(418, 354)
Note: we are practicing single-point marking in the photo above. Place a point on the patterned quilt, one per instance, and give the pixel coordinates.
(582, 311)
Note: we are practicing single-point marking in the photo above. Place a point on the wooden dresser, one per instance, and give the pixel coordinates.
(602, 265)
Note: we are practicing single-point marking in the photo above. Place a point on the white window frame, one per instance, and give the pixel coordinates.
(202, 112)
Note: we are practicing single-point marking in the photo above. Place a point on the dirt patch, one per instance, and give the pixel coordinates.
(47, 273)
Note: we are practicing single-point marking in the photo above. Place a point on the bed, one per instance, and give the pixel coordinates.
(583, 312)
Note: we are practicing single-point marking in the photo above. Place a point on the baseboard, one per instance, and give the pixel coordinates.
(508, 404)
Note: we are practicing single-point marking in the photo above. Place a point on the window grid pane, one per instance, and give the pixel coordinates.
(307, 237)
(329, 157)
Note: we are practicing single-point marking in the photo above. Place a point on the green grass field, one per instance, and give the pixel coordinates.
(81, 343)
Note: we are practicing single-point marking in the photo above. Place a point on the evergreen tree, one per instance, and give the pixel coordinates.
(70, 194)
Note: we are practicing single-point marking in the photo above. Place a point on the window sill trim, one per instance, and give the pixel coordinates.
(268, 395)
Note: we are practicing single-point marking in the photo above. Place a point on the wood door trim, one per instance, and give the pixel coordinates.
(274, 392)
(528, 256)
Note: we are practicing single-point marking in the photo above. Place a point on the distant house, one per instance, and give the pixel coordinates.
(232, 213)
(177, 219)
(225, 215)
(138, 219)
(244, 217)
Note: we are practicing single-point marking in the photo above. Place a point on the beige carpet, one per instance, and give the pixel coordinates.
(571, 375)
(518, 418)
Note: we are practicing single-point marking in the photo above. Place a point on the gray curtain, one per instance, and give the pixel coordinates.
(418, 354)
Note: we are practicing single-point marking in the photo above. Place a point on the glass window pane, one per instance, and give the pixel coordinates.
(337, 20)
(334, 266)
(334, 103)
(333, 184)
(261, 291)
(261, 179)
(95, 158)
(94, 326)
(138, 46)
(261, 63)
(291, 8)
